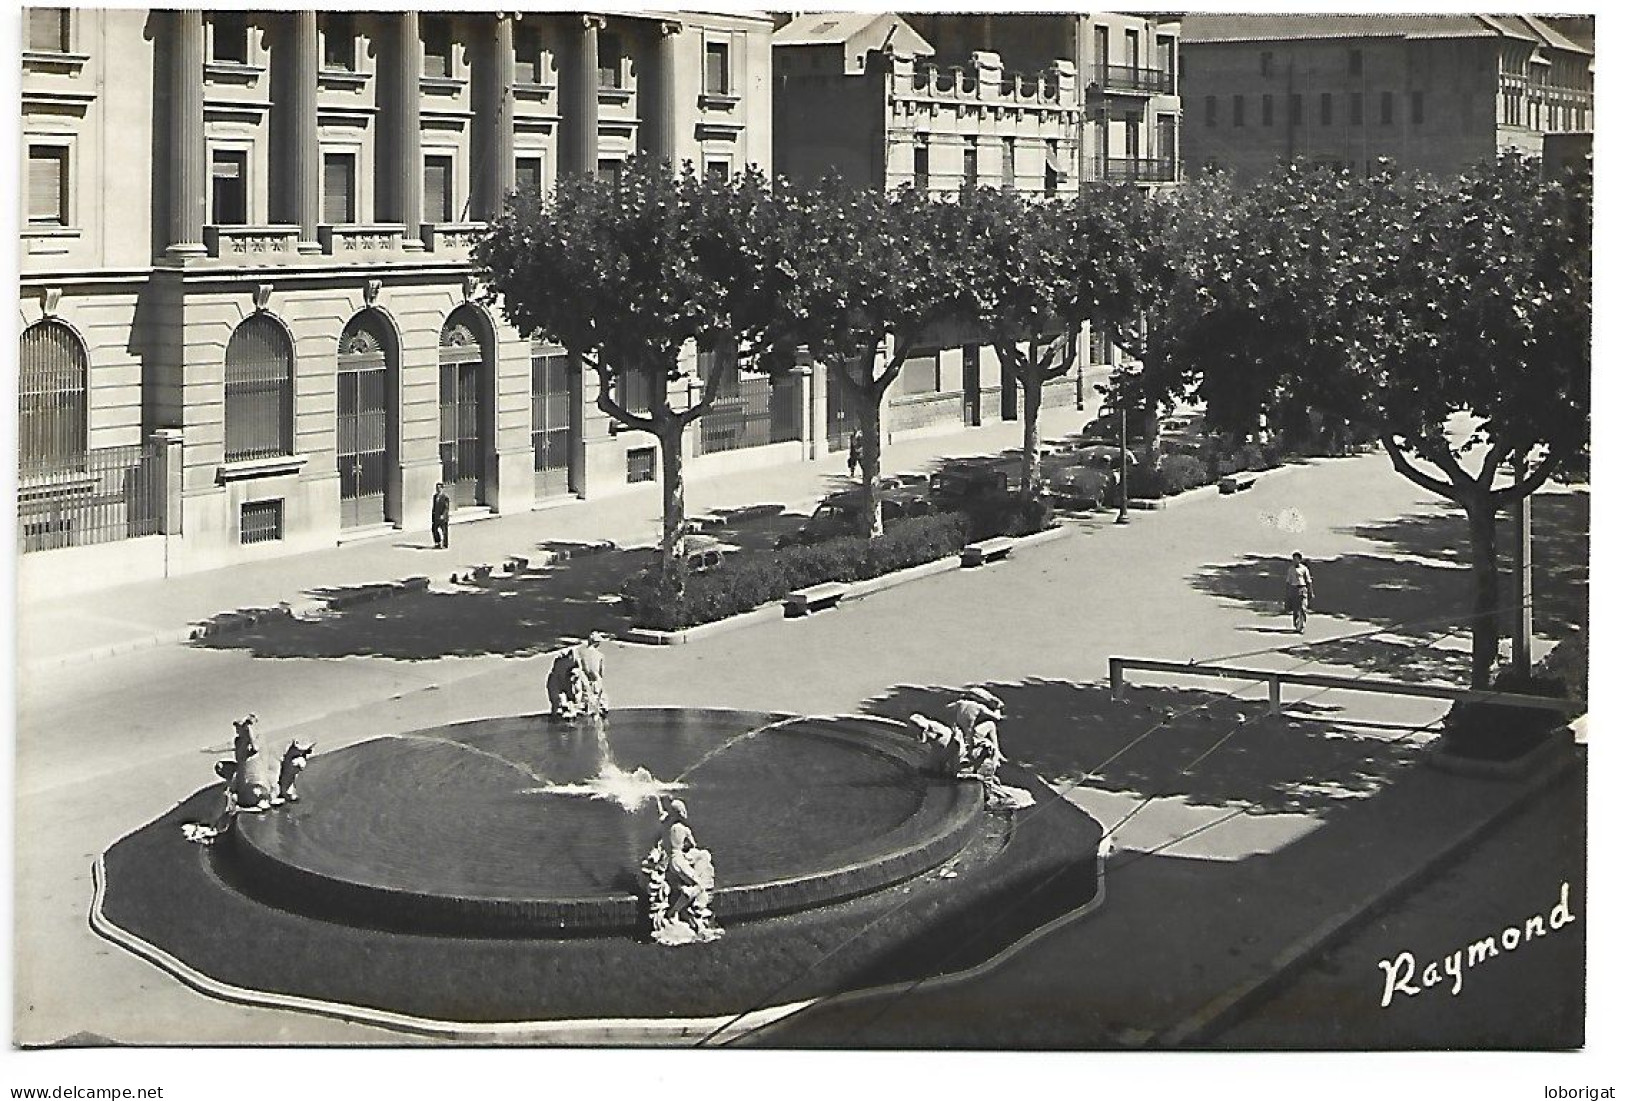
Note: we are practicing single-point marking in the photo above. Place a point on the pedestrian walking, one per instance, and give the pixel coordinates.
(854, 453)
(440, 517)
(1300, 591)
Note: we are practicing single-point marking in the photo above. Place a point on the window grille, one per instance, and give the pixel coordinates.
(640, 464)
(259, 392)
(261, 522)
(51, 425)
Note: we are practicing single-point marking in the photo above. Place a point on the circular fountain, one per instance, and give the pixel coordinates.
(521, 826)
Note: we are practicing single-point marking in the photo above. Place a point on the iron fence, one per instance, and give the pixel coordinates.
(757, 413)
(105, 495)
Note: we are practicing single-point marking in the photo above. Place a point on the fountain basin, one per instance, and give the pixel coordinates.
(486, 828)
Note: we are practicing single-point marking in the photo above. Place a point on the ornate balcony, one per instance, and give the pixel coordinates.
(361, 241)
(452, 239)
(253, 243)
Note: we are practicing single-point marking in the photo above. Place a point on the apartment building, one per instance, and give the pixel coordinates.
(1434, 93)
(249, 322)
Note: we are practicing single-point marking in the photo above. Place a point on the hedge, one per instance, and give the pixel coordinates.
(751, 580)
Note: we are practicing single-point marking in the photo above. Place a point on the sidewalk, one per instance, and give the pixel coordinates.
(101, 624)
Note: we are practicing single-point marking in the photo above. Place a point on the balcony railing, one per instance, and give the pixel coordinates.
(1136, 170)
(351, 239)
(1133, 78)
(452, 237)
(252, 242)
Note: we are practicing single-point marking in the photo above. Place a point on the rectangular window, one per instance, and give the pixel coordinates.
(1131, 47)
(640, 464)
(527, 175)
(48, 30)
(1238, 110)
(230, 37)
(527, 55)
(436, 33)
(261, 522)
(1266, 63)
(1052, 168)
(1416, 108)
(970, 166)
(1294, 109)
(1165, 54)
(47, 185)
(634, 391)
(228, 187)
(609, 60)
(437, 190)
(338, 41)
(919, 374)
(1210, 110)
(338, 188)
(716, 68)
(922, 167)
(1356, 62)
(1387, 108)
(1007, 165)
(1356, 109)
(1267, 111)
(718, 171)
(1325, 108)
(610, 170)
(1103, 47)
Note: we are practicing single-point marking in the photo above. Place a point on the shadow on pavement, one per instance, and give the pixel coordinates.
(1417, 583)
(1201, 746)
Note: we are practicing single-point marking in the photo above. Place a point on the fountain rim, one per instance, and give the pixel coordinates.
(947, 820)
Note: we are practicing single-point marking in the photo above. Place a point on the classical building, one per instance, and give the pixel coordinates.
(1435, 93)
(1039, 104)
(249, 323)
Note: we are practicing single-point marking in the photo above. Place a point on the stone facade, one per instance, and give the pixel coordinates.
(1435, 94)
(187, 173)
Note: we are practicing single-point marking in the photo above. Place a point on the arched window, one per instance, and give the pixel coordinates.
(51, 428)
(259, 391)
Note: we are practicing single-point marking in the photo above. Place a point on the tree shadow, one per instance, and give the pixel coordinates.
(515, 615)
(1416, 584)
(1202, 746)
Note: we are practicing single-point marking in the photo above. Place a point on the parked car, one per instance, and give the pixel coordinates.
(1080, 486)
(959, 483)
(842, 514)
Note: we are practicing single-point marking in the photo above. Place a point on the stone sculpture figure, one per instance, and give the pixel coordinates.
(252, 789)
(679, 880)
(293, 763)
(970, 744)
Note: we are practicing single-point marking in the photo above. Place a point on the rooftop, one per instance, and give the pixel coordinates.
(1200, 28)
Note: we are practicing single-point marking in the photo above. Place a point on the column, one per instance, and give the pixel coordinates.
(188, 152)
(661, 115)
(580, 124)
(407, 163)
(499, 120)
(305, 155)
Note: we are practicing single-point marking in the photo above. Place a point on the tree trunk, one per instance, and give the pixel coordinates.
(1153, 437)
(870, 458)
(1486, 591)
(1032, 397)
(670, 435)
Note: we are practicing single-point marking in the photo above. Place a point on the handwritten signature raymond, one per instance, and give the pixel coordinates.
(1399, 973)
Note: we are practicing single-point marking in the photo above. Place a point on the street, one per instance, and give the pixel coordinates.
(105, 747)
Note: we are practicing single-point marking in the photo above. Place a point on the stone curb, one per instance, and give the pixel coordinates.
(773, 610)
(1285, 964)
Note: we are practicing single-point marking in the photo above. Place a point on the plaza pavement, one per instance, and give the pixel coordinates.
(1261, 874)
